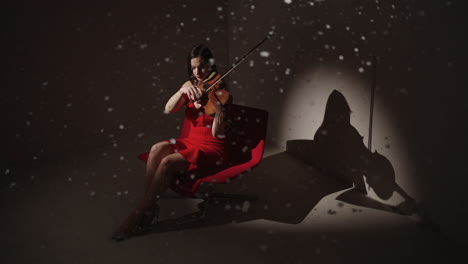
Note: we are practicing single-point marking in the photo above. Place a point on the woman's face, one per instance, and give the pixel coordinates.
(200, 68)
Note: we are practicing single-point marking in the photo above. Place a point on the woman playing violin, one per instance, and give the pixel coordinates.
(202, 149)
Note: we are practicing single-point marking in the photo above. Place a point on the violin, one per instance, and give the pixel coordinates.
(211, 93)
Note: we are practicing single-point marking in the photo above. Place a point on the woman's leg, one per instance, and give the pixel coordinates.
(169, 166)
(157, 153)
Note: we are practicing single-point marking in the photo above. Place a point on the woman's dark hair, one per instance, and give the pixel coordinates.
(207, 56)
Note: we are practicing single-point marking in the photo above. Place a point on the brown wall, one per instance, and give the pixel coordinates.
(419, 122)
(69, 64)
(63, 60)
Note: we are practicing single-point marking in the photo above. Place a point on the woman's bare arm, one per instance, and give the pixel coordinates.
(218, 128)
(219, 125)
(178, 99)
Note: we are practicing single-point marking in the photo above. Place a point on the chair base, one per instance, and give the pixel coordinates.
(210, 195)
(224, 195)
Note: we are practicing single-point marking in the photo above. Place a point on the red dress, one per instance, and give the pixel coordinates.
(204, 152)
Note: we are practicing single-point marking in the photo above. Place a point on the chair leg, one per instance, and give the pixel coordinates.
(208, 199)
(205, 208)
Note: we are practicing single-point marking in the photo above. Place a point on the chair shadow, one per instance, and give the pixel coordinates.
(291, 183)
(287, 189)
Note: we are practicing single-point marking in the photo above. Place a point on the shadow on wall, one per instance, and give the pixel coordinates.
(338, 151)
(291, 183)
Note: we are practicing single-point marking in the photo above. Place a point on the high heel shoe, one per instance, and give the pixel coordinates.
(149, 216)
(136, 224)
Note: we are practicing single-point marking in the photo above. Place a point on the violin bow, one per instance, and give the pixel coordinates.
(270, 34)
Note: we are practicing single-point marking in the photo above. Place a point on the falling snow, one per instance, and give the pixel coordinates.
(265, 54)
(274, 85)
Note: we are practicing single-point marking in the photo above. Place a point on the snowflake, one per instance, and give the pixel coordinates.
(265, 54)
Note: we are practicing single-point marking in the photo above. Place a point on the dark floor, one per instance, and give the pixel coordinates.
(65, 212)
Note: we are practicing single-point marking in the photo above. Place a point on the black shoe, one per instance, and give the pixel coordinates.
(140, 226)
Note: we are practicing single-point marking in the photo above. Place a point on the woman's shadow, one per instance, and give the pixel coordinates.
(291, 183)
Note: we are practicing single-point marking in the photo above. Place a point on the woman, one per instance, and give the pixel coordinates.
(202, 149)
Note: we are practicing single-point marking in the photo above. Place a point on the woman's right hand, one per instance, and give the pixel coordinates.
(192, 92)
